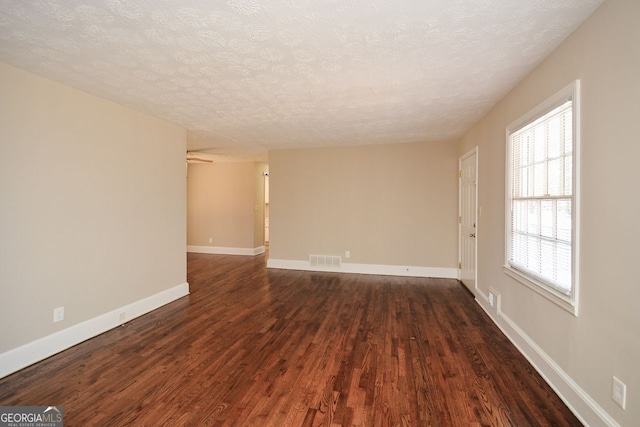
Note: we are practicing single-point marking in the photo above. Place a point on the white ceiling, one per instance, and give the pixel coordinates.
(247, 76)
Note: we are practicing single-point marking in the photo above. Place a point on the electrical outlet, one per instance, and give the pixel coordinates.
(619, 392)
(58, 314)
(210, 239)
(347, 254)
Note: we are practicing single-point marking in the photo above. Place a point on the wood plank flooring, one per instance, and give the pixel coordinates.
(257, 347)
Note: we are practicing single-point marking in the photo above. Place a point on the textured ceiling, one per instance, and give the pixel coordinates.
(246, 76)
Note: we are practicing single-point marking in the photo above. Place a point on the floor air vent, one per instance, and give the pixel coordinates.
(324, 261)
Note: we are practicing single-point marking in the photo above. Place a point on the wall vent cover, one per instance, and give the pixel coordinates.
(325, 261)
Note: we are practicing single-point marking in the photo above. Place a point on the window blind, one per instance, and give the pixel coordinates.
(542, 198)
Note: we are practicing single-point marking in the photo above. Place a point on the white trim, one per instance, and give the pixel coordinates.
(18, 358)
(571, 91)
(567, 302)
(222, 250)
(583, 406)
(561, 300)
(385, 270)
(482, 295)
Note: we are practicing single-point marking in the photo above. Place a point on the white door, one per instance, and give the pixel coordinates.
(266, 208)
(468, 218)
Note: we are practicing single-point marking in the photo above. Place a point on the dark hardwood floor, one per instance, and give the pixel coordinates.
(251, 347)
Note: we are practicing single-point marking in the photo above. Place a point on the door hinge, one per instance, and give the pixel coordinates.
(459, 266)
(459, 220)
(460, 173)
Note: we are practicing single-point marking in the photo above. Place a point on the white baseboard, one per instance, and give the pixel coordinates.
(584, 407)
(385, 270)
(35, 351)
(222, 250)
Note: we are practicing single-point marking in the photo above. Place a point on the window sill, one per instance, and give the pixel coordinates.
(561, 300)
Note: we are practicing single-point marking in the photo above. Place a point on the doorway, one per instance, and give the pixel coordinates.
(468, 218)
(266, 208)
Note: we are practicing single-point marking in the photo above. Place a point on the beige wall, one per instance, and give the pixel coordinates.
(604, 340)
(92, 211)
(225, 204)
(386, 204)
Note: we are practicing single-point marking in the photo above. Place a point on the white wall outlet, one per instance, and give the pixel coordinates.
(58, 314)
(619, 392)
(347, 254)
(210, 239)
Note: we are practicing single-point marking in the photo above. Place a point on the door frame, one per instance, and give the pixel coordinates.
(266, 232)
(473, 151)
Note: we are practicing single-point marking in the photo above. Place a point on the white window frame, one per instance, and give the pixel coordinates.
(567, 301)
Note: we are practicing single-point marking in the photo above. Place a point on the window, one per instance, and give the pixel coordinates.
(541, 241)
